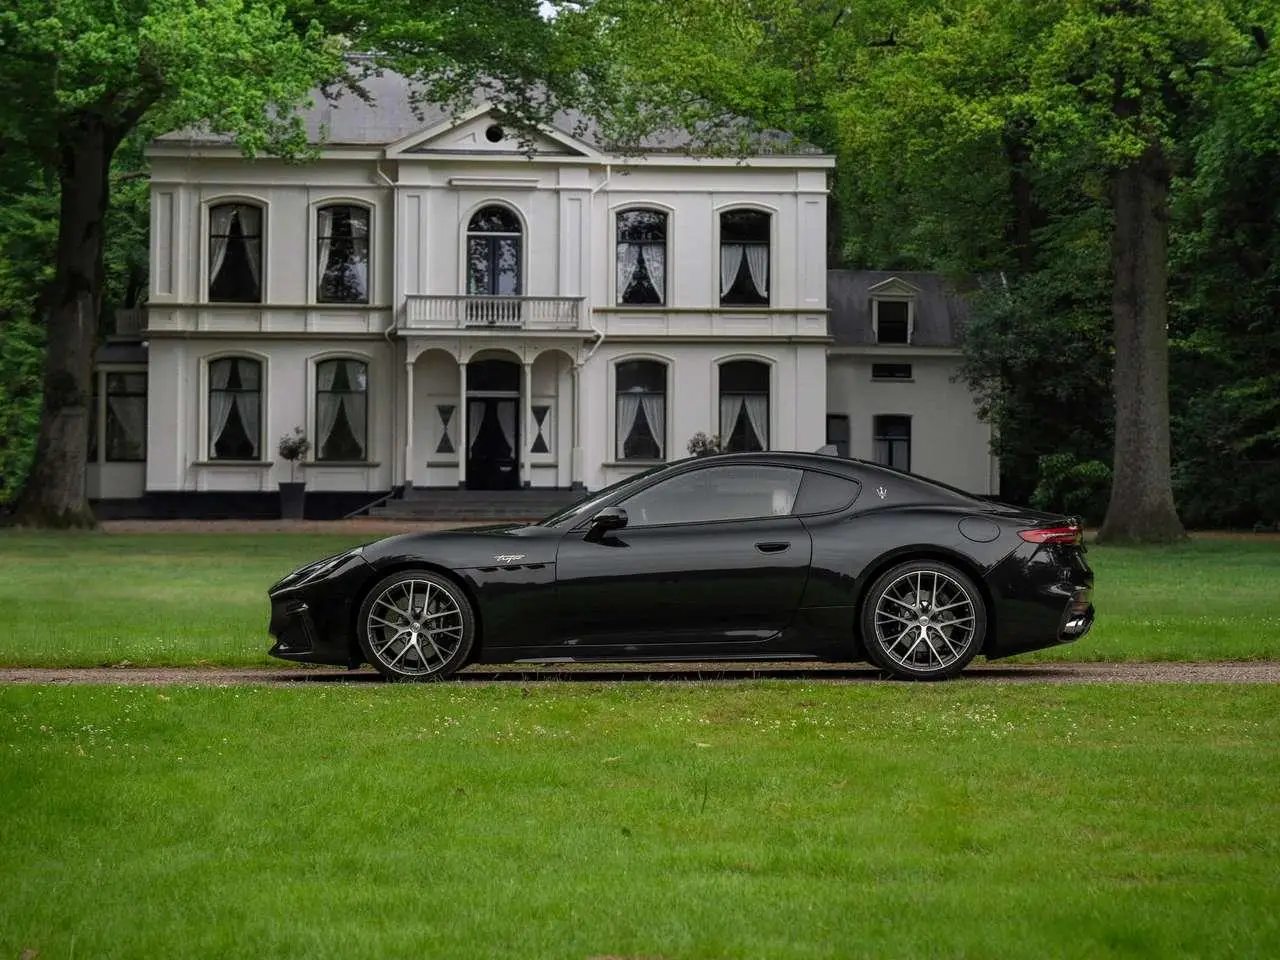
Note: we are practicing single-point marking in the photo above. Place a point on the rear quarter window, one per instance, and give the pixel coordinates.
(824, 493)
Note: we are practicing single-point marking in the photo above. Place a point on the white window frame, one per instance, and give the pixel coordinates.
(668, 414)
(313, 381)
(264, 289)
(313, 240)
(911, 318)
(264, 403)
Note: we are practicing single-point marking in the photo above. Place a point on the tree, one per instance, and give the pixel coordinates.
(74, 84)
(77, 83)
(968, 126)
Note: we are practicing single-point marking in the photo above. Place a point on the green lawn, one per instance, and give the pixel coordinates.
(79, 599)
(575, 820)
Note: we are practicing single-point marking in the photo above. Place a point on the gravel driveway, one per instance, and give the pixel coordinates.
(1256, 671)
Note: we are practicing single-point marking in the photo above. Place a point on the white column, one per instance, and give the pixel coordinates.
(408, 423)
(526, 418)
(575, 419)
(464, 443)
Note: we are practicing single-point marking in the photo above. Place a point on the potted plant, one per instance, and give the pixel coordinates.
(702, 445)
(293, 447)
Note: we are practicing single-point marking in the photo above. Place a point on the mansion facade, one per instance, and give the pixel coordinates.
(437, 304)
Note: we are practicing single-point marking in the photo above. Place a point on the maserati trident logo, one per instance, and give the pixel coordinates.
(509, 557)
(881, 492)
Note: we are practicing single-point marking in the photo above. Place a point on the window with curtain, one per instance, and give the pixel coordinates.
(744, 258)
(342, 410)
(641, 410)
(235, 409)
(642, 257)
(235, 253)
(342, 254)
(126, 417)
(744, 405)
(892, 441)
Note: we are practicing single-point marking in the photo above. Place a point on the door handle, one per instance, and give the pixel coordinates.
(773, 546)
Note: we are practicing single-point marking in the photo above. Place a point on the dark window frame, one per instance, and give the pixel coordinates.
(321, 443)
(881, 425)
(108, 416)
(236, 234)
(885, 372)
(351, 239)
(492, 240)
(640, 290)
(727, 431)
(658, 437)
(743, 290)
(212, 441)
(907, 322)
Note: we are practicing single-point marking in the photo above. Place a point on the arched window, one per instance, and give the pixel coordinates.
(744, 258)
(235, 253)
(342, 410)
(641, 390)
(494, 253)
(642, 256)
(235, 409)
(744, 405)
(342, 254)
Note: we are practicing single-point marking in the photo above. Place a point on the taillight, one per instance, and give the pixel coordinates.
(1070, 533)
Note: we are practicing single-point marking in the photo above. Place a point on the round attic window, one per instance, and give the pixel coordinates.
(493, 133)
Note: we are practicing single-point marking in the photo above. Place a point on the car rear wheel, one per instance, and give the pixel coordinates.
(416, 625)
(923, 620)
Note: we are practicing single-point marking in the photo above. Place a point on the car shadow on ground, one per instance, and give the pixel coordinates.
(631, 674)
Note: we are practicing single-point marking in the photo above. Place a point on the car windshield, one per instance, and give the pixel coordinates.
(586, 504)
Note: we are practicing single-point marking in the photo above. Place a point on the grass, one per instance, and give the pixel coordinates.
(759, 819)
(177, 599)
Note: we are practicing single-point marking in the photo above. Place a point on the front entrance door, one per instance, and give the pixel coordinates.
(494, 435)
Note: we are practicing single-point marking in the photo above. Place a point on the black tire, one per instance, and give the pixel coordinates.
(408, 640)
(939, 612)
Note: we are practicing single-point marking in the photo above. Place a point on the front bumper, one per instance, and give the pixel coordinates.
(314, 621)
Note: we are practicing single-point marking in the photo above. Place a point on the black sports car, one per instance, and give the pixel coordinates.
(785, 556)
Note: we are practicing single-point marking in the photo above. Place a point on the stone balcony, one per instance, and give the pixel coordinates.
(424, 312)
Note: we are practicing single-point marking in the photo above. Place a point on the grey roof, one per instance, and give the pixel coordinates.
(395, 110)
(940, 310)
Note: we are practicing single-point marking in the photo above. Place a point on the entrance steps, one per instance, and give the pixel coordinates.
(429, 503)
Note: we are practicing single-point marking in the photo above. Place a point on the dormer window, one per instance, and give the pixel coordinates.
(892, 320)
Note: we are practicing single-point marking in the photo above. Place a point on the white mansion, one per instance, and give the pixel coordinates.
(436, 307)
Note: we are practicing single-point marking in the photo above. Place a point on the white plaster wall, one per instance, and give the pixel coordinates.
(177, 446)
(796, 408)
(183, 190)
(948, 440)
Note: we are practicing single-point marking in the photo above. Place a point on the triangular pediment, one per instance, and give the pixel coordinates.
(481, 132)
(894, 287)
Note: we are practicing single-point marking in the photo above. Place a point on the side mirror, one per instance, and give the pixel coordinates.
(610, 518)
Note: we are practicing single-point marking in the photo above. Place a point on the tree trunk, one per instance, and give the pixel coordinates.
(1141, 508)
(54, 494)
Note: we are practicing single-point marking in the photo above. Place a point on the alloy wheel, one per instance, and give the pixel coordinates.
(925, 622)
(415, 628)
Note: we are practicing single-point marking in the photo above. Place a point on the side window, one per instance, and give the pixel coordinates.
(823, 493)
(716, 493)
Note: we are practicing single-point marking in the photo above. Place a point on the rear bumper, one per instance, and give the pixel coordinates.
(1042, 596)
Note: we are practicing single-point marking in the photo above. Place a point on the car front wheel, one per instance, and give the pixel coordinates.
(416, 625)
(923, 620)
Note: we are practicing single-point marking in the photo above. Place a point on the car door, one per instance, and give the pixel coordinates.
(709, 556)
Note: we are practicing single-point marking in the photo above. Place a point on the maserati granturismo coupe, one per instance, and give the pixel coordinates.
(782, 556)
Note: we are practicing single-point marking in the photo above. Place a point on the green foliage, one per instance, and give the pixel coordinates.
(699, 821)
(1067, 485)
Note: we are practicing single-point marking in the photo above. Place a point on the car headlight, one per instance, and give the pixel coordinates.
(319, 569)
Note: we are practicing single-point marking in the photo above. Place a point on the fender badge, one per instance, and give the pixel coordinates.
(509, 557)
(881, 492)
